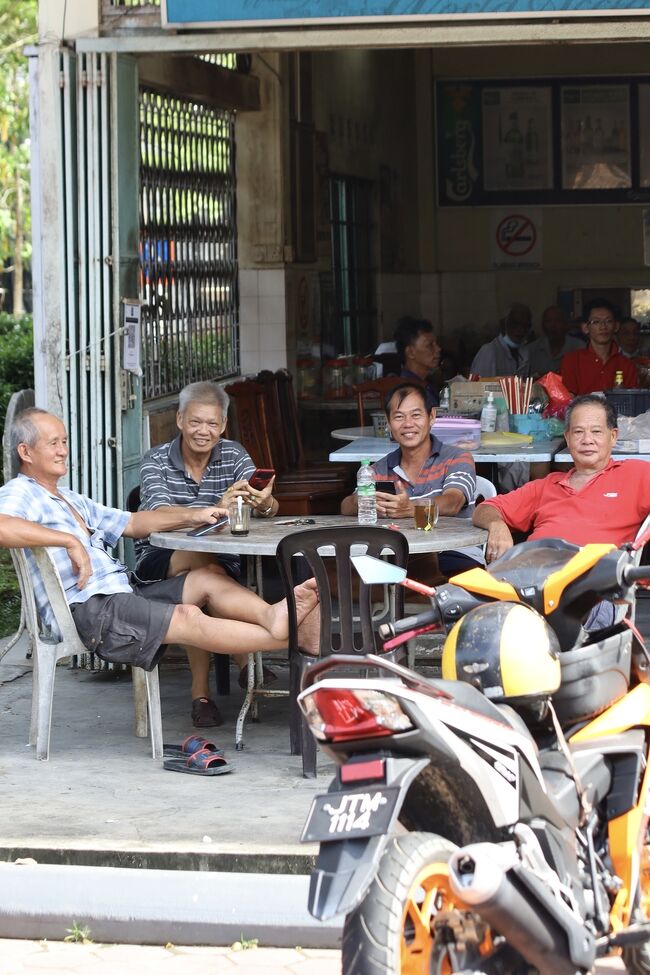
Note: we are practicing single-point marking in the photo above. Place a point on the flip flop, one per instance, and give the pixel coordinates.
(192, 744)
(199, 763)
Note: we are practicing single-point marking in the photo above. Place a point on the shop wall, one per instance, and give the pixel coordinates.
(583, 246)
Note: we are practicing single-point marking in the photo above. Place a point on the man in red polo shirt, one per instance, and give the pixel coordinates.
(593, 369)
(598, 500)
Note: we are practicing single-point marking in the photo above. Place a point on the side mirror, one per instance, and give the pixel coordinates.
(377, 572)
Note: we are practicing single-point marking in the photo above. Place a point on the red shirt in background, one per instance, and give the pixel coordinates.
(609, 508)
(584, 372)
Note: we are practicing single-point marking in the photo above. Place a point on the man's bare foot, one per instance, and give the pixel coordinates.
(306, 596)
(309, 633)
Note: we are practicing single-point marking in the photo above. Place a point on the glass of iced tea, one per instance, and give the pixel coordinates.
(425, 513)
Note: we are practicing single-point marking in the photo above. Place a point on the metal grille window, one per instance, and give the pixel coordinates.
(353, 328)
(188, 235)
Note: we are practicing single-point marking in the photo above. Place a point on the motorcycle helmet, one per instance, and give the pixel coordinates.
(507, 651)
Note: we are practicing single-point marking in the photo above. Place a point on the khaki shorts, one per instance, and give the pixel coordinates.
(129, 627)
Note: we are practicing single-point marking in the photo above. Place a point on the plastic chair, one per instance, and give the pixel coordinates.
(47, 651)
(484, 489)
(346, 611)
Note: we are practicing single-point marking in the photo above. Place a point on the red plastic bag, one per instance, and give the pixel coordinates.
(559, 396)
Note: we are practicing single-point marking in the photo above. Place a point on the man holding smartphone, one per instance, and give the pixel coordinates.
(423, 467)
(200, 467)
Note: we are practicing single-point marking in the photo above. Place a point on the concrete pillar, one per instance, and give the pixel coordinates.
(261, 222)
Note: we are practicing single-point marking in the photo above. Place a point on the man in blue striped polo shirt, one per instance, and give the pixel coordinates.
(198, 467)
(121, 622)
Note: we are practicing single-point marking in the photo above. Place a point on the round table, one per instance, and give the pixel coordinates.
(265, 534)
(353, 433)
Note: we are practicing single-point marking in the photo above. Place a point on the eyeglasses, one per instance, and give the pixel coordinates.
(601, 321)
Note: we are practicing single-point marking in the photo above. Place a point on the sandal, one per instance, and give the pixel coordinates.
(268, 677)
(199, 763)
(192, 744)
(205, 713)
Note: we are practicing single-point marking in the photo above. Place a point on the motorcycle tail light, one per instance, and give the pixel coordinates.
(334, 714)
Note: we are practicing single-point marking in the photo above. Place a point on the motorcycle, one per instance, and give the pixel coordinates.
(491, 823)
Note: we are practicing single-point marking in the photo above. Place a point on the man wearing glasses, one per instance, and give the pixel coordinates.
(593, 369)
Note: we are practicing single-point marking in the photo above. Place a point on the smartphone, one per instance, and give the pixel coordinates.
(208, 529)
(388, 487)
(260, 478)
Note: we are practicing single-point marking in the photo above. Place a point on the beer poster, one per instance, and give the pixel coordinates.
(596, 137)
(517, 141)
(553, 141)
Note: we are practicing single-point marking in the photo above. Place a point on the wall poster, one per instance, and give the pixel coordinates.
(517, 140)
(596, 137)
(555, 141)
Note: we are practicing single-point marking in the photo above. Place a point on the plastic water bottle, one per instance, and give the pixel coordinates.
(366, 495)
(489, 415)
(444, 398)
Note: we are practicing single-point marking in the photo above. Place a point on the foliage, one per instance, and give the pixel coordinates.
(78, 935)
(18, 27)
(9, 595)
(245, 944)
(16, 358)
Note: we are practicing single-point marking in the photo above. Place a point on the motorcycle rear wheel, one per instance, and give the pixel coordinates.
(391, 931)
(637, 958)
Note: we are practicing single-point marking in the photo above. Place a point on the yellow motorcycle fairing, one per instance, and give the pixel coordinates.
(581, 562)
(627, 832)
(483, 584)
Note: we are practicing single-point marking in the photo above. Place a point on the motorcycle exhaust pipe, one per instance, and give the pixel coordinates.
(491, 880)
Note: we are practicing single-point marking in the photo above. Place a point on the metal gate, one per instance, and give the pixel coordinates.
(188, 243)
(90, 373)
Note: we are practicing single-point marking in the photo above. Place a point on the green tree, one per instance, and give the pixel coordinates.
(18, 27)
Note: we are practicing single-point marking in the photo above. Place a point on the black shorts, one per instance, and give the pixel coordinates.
(129, 627)
(154, 565)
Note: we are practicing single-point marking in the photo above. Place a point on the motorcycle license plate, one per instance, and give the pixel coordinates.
(350, 815)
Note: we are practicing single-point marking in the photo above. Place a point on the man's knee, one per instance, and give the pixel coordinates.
(202, 583)
(187, 614)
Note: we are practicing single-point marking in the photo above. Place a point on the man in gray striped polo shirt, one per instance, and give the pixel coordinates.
(198, 468)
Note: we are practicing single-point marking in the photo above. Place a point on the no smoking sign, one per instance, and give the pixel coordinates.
(516, 239)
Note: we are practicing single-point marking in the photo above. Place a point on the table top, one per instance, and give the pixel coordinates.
(353, 433)
(264, 535)
(374, 448)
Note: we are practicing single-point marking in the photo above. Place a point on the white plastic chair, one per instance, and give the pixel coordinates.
(484, 488)
(47, 651)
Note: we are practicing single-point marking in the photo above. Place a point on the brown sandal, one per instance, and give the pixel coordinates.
(205, 713)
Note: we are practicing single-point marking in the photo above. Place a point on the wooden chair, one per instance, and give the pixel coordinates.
(375, 390)
(286, 442)
(348, 625)
(309, 497)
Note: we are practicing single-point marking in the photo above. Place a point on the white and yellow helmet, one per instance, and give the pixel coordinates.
(506, 650)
